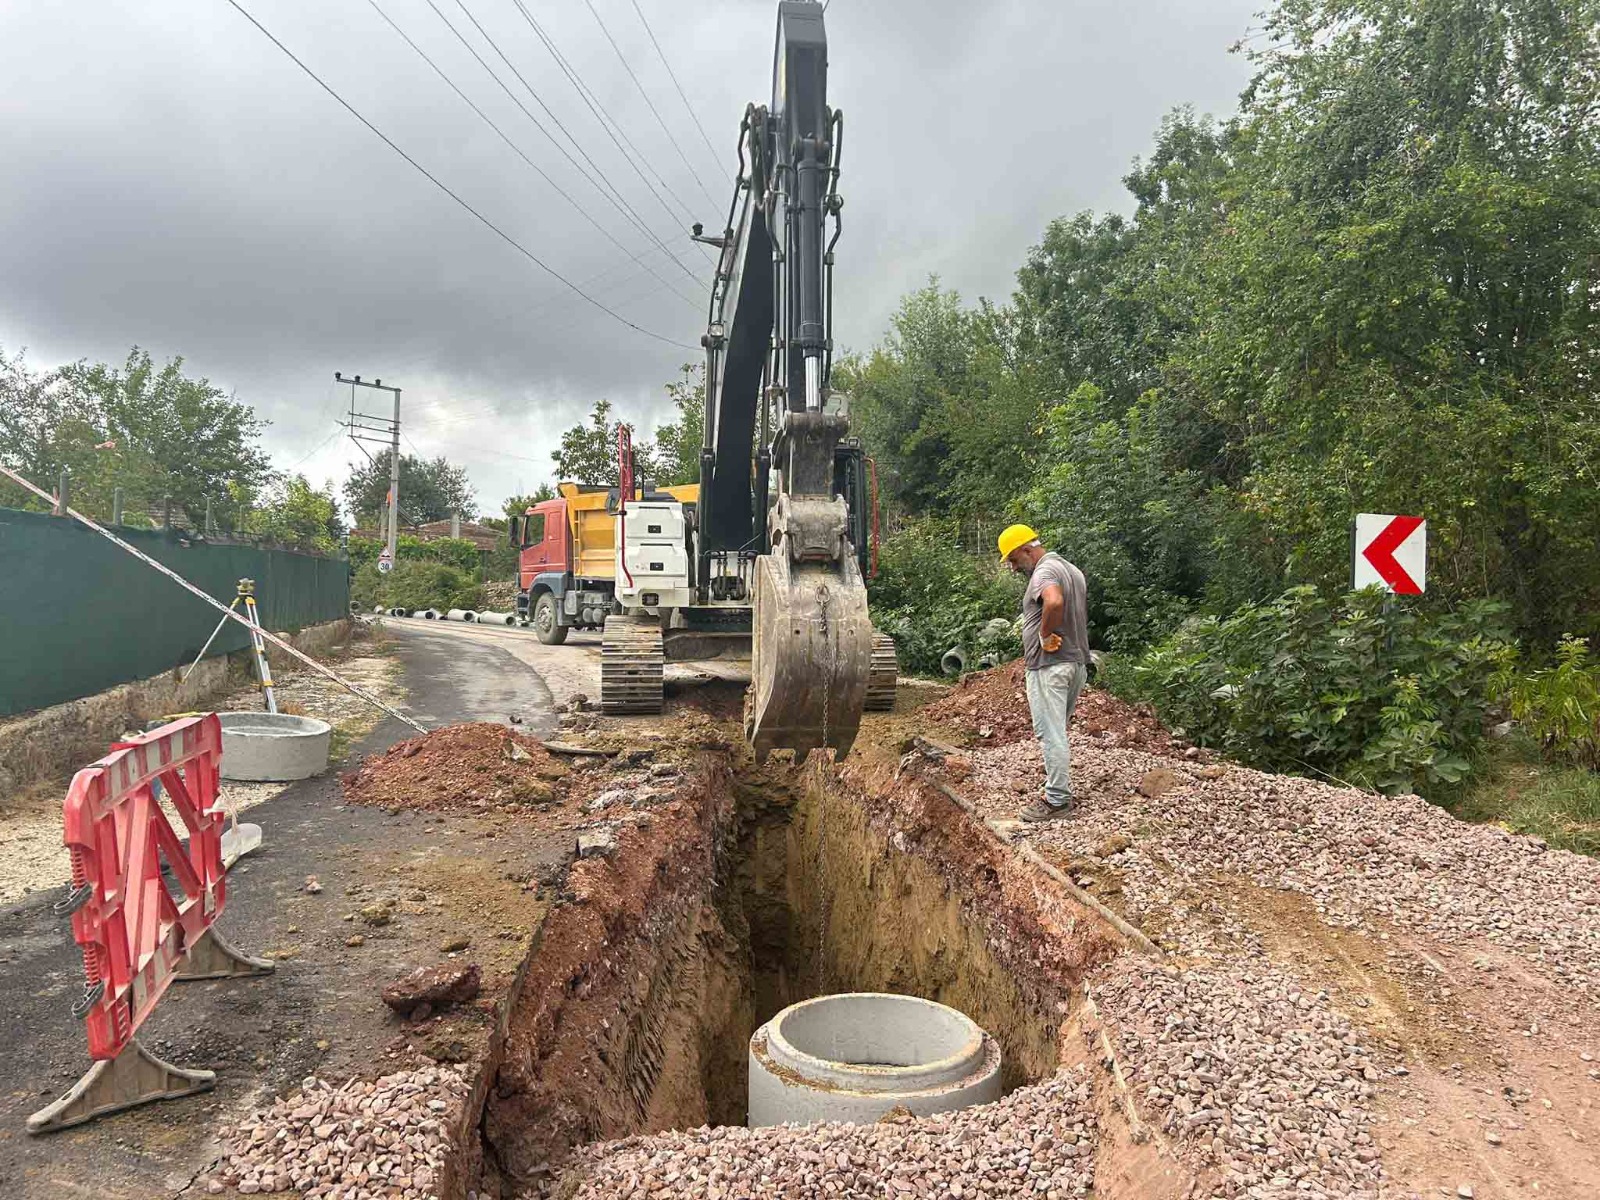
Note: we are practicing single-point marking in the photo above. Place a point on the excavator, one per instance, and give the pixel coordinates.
(774, 544)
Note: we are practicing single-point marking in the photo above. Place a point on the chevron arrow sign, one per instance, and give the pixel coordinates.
(1392, 552)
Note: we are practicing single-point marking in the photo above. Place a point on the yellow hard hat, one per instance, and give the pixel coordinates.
(1014, 536)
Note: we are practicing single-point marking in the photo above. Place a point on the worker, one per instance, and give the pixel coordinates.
(1055, 651)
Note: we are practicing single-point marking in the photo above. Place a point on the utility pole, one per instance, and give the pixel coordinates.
(369, 427)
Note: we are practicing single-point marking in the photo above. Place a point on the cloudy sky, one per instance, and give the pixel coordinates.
(172, 179)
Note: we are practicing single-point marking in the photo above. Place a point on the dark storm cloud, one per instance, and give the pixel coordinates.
(171, 179)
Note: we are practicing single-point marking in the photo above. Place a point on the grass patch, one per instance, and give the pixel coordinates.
(1526, 793)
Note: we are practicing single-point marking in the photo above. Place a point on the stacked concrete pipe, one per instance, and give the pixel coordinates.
(855, 1056)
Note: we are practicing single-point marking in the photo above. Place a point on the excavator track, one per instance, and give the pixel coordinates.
(883, 675)
(632, 661)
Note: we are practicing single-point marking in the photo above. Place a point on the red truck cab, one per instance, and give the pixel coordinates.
(545, 542)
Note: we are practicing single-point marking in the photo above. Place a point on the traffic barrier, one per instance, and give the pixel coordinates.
(143, 906)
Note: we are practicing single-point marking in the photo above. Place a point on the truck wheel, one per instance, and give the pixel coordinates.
(551, 632)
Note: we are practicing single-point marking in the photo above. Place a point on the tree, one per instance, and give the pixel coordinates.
(294, 513)
(676, 452)
(153, 431)
(430, 490)
(588, 452)
(909, 392)
(515, 506)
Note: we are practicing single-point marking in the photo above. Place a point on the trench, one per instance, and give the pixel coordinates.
(763, 887)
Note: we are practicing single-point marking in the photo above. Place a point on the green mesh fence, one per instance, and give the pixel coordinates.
(78, 614)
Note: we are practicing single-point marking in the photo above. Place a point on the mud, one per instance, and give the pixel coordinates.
(753, 888)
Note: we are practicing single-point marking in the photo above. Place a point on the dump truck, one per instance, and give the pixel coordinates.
(567, 557)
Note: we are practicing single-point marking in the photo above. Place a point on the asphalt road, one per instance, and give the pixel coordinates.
(319, 1012)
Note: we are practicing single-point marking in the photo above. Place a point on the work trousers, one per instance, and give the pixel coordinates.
(1052, 695)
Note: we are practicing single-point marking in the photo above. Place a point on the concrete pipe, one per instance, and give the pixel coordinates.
(459, 614)
(398, 611)
(494, 618)
(985, 661)
(378, 608)
(996, 628)
(427, 614)
(854, 1056)
(276, 746)
(954, 661)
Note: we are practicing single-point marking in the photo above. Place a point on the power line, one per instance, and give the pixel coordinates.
(672, 75)
(314, 449)
(438, 183)
(615, 195)
(672, 138)
(562, 192)
(604, 117)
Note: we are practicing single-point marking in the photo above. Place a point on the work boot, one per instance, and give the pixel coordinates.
(1043, 810)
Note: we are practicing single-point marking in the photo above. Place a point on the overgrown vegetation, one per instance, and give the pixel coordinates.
(1360, 688)
(1530, 794)
(1560, 705)
(1373, 288)
(445, 573)
(930, 597)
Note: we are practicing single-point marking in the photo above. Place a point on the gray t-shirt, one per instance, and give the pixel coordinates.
(1074, 629)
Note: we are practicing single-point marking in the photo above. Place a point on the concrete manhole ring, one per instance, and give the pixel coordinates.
(854, 1056)
(272, 746)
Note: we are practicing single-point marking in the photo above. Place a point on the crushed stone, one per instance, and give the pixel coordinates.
(1359, 857)
(386, 1137)
(1037, 1142)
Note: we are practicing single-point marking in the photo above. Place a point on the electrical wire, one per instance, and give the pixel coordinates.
(672, 138)
(516, 149)
(672, 75)
(614, 195)
(443, 187)
(314, 449)
(612, 127)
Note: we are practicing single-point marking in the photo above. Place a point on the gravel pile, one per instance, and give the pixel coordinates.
(1356, 855)
(1037, 1142)
(359, 1141)
(1254, 1077)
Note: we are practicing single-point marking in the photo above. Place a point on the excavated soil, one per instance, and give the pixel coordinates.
(465, 769)
(993, 706)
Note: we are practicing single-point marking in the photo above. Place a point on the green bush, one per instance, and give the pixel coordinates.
(1379, 694)
(930, 595)
(416, 583)
(1560, 705)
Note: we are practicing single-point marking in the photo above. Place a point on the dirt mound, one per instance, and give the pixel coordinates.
(993, 705)
(464, 768)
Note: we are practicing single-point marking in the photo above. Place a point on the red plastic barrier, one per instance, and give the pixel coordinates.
(133, 930)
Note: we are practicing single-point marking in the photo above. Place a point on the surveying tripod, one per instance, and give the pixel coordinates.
(258, 645)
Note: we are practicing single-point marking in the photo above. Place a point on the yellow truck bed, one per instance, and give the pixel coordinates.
(594, 530)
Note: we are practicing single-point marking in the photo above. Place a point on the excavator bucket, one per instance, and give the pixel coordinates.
(811, 658)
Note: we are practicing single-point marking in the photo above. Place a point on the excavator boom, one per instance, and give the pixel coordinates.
(775, 521)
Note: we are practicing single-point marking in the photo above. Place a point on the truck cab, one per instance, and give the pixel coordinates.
(565, 567)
